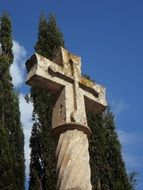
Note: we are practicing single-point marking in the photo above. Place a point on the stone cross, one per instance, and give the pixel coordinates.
(75, 95)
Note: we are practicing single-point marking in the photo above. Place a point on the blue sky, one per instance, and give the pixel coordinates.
(108, 35)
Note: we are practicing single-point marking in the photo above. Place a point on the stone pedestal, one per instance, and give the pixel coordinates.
(72, 155)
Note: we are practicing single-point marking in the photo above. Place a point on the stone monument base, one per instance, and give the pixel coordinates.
(72, 155)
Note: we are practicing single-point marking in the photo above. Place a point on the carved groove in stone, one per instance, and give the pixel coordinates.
(73, 161)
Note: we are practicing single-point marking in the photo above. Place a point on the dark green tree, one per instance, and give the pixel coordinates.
(50, 37)
(6, 178)
(11, 133)
(133, 179)
(107, 166)
(42, 164)
(35, 164)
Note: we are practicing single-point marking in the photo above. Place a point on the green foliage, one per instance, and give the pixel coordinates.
(11, 130)
(133, 180)
(49, 37)
(6, 177)
(107, 167)
(43, 164)
(35, 167)
(5, 37)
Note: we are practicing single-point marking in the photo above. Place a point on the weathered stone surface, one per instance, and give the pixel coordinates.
(73, 161)
(75, 94)
(64, 77)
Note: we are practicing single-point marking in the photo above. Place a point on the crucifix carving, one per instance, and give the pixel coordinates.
(75, 94)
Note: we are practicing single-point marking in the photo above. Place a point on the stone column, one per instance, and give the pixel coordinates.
(72, 155)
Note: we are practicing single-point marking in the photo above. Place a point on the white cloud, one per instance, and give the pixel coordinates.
(133, 162)
(26, 111)
(17, 68)
(26, 118)
(127, 138)
(130, 143)
(17, 73)
(118, 105)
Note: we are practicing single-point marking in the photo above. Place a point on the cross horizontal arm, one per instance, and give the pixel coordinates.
(94, 95)
(38, 69)
(46, 74)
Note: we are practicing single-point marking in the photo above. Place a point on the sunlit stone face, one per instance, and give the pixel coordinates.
(74, 92)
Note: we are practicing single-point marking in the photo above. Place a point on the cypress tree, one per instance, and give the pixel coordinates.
(35, 164)
(107, 166)
(42, 164)
(12, 139)
(6, 178)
